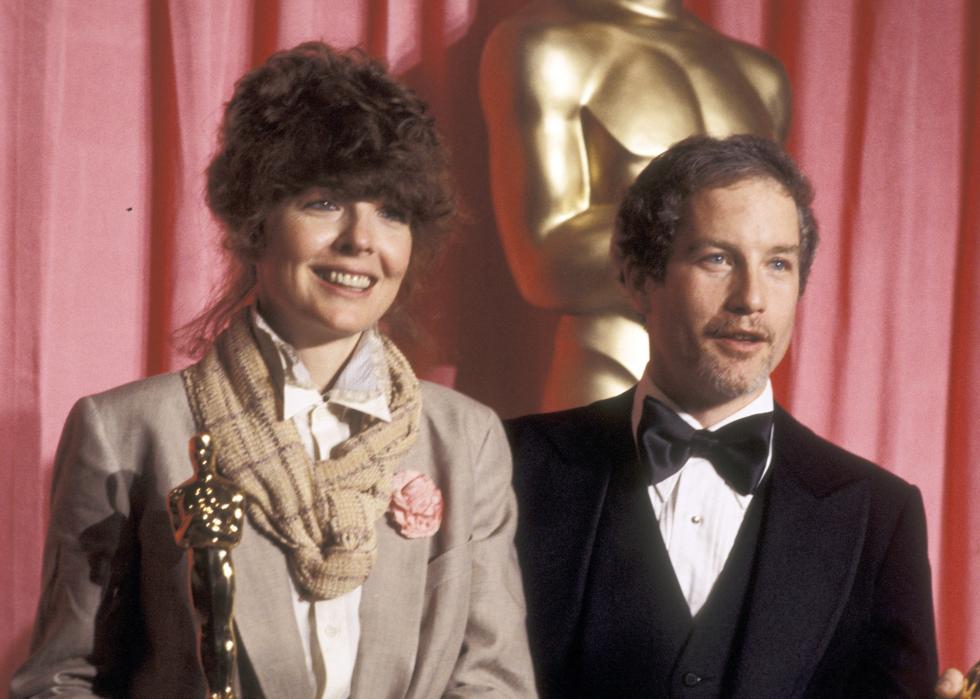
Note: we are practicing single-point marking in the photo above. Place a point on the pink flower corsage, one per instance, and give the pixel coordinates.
(416, 505)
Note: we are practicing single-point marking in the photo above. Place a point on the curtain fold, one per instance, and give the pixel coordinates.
(959, 559)
(111, 108)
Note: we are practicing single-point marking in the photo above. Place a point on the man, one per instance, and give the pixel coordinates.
(689, 537)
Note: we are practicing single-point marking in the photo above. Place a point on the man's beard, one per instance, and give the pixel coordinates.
(730, 378)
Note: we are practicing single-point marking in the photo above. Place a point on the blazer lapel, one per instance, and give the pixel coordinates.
(391, 601)
(812, 535)
(264, 617)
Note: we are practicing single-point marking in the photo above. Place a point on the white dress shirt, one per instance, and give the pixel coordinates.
(698, 512)
(330, 629)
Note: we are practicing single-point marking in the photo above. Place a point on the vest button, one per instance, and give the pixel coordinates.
(691, 679)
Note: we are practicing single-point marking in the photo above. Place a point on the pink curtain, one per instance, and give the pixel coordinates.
(110, 109)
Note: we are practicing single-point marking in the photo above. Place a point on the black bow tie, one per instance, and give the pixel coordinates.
(738, 451)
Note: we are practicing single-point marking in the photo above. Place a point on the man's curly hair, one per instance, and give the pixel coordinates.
(315, 117)
(656, 204)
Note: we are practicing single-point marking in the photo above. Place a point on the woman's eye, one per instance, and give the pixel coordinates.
(322, 205)
(392, 214)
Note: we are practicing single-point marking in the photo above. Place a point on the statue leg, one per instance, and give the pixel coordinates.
(213, 586)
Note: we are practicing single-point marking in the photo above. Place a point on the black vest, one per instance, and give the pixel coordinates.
(638, 636)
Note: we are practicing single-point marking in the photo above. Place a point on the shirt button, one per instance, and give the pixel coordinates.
(331, 631)
(691, 679)
(697, 519)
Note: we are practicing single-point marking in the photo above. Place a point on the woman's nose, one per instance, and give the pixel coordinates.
(357, 234)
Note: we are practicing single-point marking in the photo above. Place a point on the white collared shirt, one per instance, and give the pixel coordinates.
(330, 629)
(698, 512)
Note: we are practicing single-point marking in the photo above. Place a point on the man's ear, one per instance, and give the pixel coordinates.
(635, 281)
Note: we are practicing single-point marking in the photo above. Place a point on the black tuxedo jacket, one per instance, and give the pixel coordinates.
(838, 602)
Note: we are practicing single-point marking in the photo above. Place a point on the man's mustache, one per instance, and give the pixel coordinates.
(724, 329)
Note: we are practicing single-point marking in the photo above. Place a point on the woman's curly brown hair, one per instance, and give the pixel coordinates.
(314, 117)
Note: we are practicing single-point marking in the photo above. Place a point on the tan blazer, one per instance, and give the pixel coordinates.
(440, 616)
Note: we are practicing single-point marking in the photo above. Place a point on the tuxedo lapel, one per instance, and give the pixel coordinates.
(809, 548)
(265, 620)
(562, 467)
(636, 619)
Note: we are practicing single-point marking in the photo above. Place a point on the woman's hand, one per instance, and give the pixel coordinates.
(950, 684)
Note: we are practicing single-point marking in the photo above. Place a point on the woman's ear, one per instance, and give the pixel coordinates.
(254, 243)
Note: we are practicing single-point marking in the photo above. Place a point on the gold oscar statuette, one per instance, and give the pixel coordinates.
(207, 512)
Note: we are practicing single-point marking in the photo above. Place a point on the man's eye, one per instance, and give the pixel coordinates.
(715, 259)
(781, 265)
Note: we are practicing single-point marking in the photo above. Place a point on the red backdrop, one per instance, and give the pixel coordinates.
(110, 109)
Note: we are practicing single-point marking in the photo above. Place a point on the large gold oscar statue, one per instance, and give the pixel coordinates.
(579, 95)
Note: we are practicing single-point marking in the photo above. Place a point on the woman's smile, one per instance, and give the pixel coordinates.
(345, 280)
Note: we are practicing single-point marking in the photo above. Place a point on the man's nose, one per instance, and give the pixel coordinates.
(748, 292)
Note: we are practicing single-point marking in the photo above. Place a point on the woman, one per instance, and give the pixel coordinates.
(330, 182)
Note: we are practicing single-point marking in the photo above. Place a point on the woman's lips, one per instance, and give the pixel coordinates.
(354, 281)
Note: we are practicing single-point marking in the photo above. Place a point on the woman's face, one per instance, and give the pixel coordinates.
(330, 269)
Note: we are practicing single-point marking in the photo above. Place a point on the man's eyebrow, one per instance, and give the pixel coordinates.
(785, 250)
(701, 243)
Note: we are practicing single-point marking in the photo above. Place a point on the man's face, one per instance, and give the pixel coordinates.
(722, 318)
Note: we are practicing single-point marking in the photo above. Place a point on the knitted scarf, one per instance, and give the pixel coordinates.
(322, 514)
